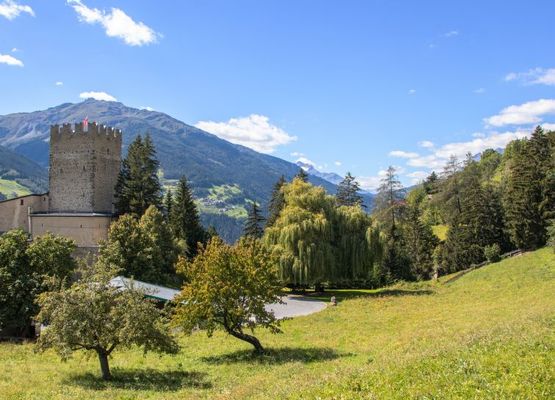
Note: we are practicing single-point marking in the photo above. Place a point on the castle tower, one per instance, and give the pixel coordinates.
(84, 166)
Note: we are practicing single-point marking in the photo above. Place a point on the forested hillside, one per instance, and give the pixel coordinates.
(19, 175)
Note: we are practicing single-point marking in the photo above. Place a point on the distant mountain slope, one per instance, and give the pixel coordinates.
(19, 175)
(208, 161)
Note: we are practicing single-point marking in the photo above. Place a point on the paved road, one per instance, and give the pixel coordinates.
(295, 306)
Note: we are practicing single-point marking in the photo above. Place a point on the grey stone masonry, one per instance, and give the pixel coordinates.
(84, 166)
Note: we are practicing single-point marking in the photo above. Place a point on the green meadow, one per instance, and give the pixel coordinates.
(488, 335)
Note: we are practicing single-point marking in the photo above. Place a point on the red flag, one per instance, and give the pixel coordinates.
(86, 124)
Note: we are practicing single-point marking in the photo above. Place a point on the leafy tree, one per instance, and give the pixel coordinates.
(141, 248)
(254, 222)
(93, 315)
(2, 196)
(301, 238)
(228, 287)
(551, 234)
(276, 202)
(314, 241)
(26, 269)
(51, 256)
(420, 244)
(302, 175)
(18, 284)
(347, 192)
(138, 186)
(184, 218)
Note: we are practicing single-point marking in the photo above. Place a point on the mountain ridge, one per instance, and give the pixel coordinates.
(209, 162)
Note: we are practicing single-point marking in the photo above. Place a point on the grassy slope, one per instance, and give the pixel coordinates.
(489, 334)
(8, 187)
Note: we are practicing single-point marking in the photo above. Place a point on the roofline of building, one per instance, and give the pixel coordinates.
(27, 195)
(70, 214)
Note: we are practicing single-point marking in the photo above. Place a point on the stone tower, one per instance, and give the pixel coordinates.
(84, 166)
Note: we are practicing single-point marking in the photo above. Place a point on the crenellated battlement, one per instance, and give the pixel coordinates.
(78, 129)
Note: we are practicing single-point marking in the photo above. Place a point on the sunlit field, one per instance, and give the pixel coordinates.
(489, 334)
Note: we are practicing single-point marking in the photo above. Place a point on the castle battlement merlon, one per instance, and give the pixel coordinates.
(78, 129)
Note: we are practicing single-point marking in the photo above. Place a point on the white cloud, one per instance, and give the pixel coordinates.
(338, 163)
(534, 76)
(116, 24)
(371, 183)
(304, 160)
(527, 113)
(412, 91)
(147, 108)
(15, 49)
(426, 144)
(548, 127)
(480, 91)
(451, 33)
(97, 96)
(403, 154)
(297, 154)
(10, 60)
(11, 9)
(254, 131)
(59, 83)
(417, 176)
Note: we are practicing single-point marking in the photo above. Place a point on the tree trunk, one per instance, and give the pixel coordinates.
(249, 339)
(104, 366)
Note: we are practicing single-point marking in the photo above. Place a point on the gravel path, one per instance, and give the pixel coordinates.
(295, 306)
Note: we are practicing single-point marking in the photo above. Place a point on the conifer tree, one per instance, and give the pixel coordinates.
(347, 192)
(389, 199)
(431, 183)
(184, 218)
(168, 204)
(450, 199)
(253, 225)
(302, 175)
(420, 244)
(138, 186)
(276, 202)
(523, 197)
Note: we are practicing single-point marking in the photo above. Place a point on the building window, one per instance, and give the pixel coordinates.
(21, 202)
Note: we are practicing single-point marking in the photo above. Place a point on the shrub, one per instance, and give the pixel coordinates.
(492, 253)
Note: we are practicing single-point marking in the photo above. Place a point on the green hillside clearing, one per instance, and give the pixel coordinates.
(12, 189)
(489, 334)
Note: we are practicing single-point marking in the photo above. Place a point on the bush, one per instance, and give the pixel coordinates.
(492, 253)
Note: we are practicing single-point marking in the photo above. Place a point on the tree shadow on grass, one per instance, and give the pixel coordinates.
(351, 294)
(142, 379)
(277, 356)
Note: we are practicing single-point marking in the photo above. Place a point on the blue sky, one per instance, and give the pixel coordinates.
(349, 85)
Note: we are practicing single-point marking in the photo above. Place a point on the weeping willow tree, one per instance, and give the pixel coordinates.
(301, 237)
(357, 245)
(315, 241)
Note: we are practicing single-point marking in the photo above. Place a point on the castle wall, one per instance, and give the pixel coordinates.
(14, 212)
(84, 166)
(86, 229)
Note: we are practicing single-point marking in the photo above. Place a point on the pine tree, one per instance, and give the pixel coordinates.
(138, 186)
(347, 192)
(168, 204)
(253, 225)
(449, 198)
(522, 199)
(302, 175)
(389, 199)
(420, 244)
(276, 202)
(185, 220)
(431, 183)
